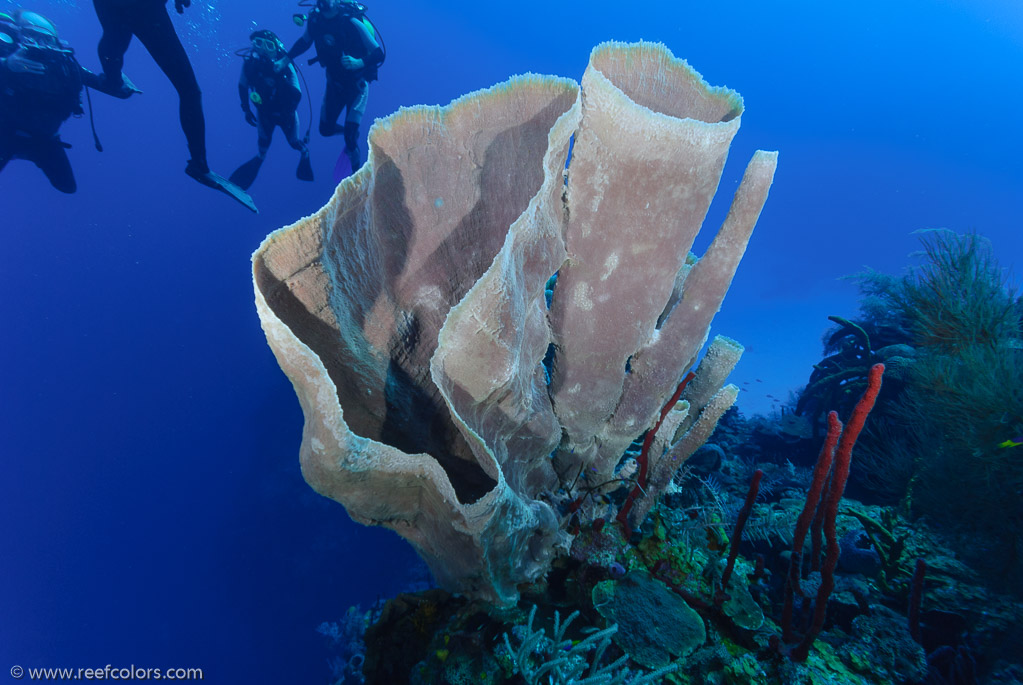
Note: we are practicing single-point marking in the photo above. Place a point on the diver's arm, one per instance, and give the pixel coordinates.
(243, 91)
(91, 80)
(18, 63)
(374, 53)
(301, 45)
(101, 84)
(292, 76)
(243, 94)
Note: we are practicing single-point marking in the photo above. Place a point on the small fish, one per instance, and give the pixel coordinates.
(717, 541)
(1014, 442)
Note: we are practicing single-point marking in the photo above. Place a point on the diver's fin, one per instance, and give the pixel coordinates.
(245, 175)
(343, 168)
(218, 182)
(305, 169)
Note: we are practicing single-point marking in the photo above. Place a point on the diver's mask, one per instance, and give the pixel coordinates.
(350, 7)
(340, 6)
(265, 47)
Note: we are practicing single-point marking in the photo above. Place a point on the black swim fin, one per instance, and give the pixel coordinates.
(245, 175)
(218, 182)
(305, 168)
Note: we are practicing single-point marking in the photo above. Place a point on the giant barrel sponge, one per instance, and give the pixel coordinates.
(443, 397)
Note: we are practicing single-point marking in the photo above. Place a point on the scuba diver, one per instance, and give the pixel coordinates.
(349, 48)
(41, 86)
(276, 95)
(149, 21)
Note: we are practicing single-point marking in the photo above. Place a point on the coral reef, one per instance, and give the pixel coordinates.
(654, 625)
(945, 445)
(663, 601)
(443, 397)
(566, 661)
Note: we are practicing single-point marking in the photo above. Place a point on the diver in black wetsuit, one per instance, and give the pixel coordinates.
(276, 94)
(347, 46)
(149, 22)
(41, 86)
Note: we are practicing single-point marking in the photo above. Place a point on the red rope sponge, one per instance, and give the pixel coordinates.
(644, 458)
(839, 475)
(820, 476)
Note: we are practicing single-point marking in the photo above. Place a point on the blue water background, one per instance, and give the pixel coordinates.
(151, 506)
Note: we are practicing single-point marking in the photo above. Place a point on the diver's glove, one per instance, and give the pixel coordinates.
(127, 88)
(352, 63)
(180, 5)
(250, 118)
(17, 63)
(116, 85)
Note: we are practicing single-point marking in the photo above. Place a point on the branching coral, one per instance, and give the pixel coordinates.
(959, 297)
(561, 661)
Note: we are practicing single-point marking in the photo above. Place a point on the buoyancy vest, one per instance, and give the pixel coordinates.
(339, 36)
(38, 104)
(277, 92)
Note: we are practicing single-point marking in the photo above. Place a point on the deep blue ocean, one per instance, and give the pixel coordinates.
(151, 506)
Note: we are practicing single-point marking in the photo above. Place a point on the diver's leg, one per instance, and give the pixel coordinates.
(245, 175)
(353, 118)
(157, 33)
(333, 103)
(264, 132)
(115, 40)
(152, 26)
(352, 145)
(289, 126)
(51, 157)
